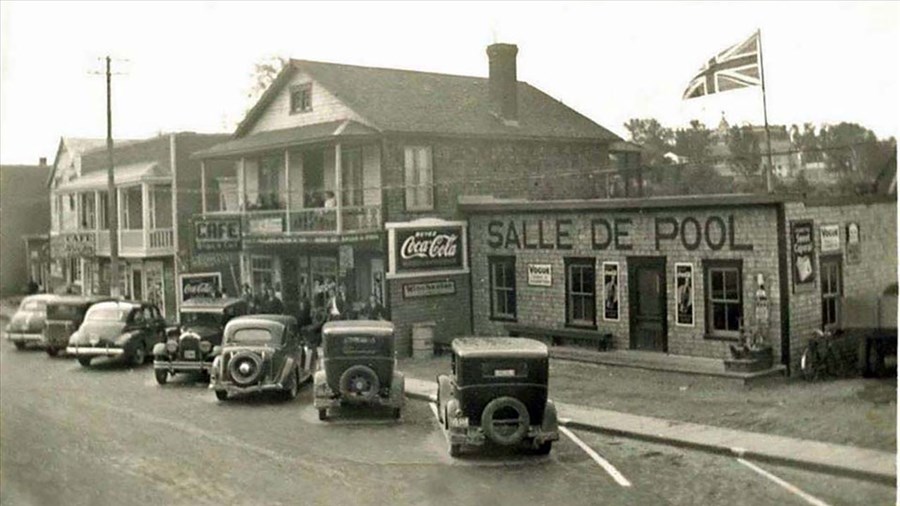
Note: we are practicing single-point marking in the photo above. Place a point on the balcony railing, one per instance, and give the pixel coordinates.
(312, 221)
(139, 242)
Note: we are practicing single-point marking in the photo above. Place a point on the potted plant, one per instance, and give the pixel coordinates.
(753, 353)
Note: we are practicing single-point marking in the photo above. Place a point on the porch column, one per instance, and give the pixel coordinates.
(203, 187)
(337, 187)
(120, 203)
(287, 188)
(145, 215)
(242, 186)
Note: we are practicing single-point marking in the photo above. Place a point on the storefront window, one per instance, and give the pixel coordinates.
(262, 273)
(723, 298)
(581, 292)
(831, 291)
(503, 288)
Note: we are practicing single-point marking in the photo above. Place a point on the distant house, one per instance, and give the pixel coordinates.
(24, 212)
(344, 175)
(786, 162)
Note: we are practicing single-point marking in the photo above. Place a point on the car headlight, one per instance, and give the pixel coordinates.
(172, 346)
(205, 346)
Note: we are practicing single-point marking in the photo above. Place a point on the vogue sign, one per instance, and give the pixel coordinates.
(427, 249)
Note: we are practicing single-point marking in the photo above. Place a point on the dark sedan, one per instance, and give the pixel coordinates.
(125, 330)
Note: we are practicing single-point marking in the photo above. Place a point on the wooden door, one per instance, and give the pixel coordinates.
(647, 303)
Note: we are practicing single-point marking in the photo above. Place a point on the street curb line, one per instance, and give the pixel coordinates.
(717, 449)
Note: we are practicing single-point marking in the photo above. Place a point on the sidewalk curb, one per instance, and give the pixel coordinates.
(887, 478)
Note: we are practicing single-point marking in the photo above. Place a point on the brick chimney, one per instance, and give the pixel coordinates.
(503, 82)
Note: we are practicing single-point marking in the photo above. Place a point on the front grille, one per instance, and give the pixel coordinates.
(58, 332)
(189, 348)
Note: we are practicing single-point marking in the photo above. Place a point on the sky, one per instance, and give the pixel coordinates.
(187, 66)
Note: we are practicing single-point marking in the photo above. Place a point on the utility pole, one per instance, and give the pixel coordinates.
(111, 201)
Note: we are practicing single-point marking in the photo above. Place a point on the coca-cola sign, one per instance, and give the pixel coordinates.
(438, 248)
(208, 284)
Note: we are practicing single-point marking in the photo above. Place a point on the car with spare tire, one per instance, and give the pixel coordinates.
(497, 393)
(261, 353)
(188, 347)
(359, 367)
(124, 330)
(64, 314)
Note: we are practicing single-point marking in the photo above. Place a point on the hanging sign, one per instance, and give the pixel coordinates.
(540, 275)
(684, 298)
(217, 234)
(803, 249)
(830, 236)
(611, 291)
(854, 254)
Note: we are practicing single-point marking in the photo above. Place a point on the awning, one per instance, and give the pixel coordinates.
(287, 137)
(122, 175)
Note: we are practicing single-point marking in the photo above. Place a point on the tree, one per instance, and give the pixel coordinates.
(848, 149)
(746, 157)
(656, 140)
(694, 142)
(264, 73)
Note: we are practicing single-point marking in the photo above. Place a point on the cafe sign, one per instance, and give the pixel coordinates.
(426, 247)
(73, 245)
(217, 235)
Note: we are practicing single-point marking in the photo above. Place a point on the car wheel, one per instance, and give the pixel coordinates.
(294, 388)
(359, 383)
(323, 414)
(162, 376)
(84, 361)
(222, 395)
(139, 355)
(544, 448)
(505, 421)
(52, 351)
(455, 449)
(19, 345)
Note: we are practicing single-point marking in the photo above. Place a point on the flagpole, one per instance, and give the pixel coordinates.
(762, 76)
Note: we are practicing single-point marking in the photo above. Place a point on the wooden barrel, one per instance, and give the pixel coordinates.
(423, 339)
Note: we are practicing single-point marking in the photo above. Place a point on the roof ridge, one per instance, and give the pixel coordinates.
(391, 69)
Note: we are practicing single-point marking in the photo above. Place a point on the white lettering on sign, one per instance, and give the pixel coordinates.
(831, 237)
(195, 289)
(439, 246)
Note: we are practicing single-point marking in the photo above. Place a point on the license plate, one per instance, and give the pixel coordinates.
(190, 354)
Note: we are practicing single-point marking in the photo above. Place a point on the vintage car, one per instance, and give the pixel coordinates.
(261, 353)
(64, 315)
(189, 347)
(358, 367)
(497, 392)
(27, 324)
(125, 330)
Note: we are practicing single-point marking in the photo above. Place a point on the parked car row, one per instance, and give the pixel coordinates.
(496, 390)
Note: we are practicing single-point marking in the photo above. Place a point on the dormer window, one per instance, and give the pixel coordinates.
(301, 98)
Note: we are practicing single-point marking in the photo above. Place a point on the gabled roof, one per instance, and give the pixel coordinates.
(282, 138)
(123, 174)
(79, 146)
(404, 101)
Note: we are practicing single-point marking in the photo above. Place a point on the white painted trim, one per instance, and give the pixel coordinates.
(425, 274)
(425, 222)
(815, 501)
(609, 468)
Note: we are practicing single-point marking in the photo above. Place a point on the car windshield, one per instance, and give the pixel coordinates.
(34, 306)
(251, 336)
(200, 319)
(107, 313)
(70, 312)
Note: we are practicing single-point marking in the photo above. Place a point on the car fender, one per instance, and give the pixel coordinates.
(214, 371)
(320, 384)
(286, 369)
(159, 350)
(398, 386)
(551, 419)
(450, 410)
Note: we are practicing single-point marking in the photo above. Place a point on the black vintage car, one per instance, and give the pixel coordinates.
(126, 330)
(64, 315)
(188, 348)
(27, 324)
(497, 392)
(261, 353)
(358, 367)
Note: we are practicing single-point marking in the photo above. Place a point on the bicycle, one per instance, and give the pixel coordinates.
(821, 359)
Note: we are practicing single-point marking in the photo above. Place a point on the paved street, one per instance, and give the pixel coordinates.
(110, 435)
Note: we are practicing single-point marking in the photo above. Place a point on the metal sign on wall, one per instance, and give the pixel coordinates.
(830, 237)
(429, 289)
(854, 255)
(206, 284)
(73, 245)
(803, 252)
(540, 275)
(217, 234)
(427, 247)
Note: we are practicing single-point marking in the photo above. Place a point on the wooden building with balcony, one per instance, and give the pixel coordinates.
(336, 162)
(152, 215)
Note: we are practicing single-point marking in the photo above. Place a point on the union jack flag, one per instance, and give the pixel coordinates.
(734, 68)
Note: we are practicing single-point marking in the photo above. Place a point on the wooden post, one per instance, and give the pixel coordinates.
(762, 77)
(203, 187)
(287, 190)
(338, 184)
